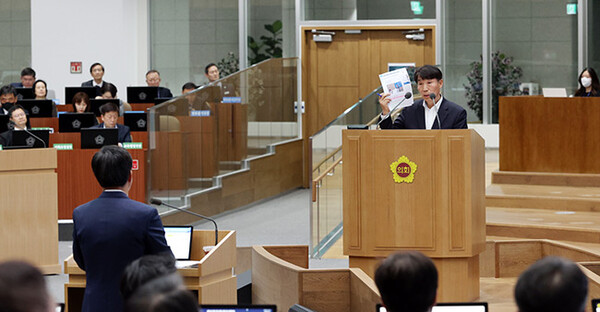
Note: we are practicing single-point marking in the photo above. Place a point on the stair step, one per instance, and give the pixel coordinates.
(543, 197)
(576, 226)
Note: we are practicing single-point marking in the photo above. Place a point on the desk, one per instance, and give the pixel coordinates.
(559, 135)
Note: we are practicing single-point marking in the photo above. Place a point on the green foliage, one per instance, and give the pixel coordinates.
(505, 81)
(228, 65)
(268, 46)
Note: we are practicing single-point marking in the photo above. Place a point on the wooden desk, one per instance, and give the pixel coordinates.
(213, 281)
(558, 135)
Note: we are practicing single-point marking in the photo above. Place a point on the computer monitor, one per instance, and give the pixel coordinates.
(71, 91)
(21, 139)
(96, 103)
(179, 238)
(98, 137)
(74, 122)
(26, 93)
(136, 120)
(237, 308)
(141, 94)
(4, 120)
(37, 108)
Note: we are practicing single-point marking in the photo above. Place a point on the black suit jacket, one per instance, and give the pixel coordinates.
(124, 132)
(6, 138)
(451, 115)
(164, 92)
(90, 83)
(108, 234)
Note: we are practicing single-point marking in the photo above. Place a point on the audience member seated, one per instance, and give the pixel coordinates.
(8, 98)
(18, 121)
(27, 78)
(407, 281)
(153, 80)
(81, 104)
(97, 72)
(211, 71)
(23, 289)
(40, 90)
(588, 83)
(109, 91)
(144, 269)
(550, 285)
(163, 294)
(188, 87)
(109, 113)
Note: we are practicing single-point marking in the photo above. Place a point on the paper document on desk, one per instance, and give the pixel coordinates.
(397, 83)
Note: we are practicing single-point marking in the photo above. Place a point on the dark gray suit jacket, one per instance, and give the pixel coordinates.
(451, 115)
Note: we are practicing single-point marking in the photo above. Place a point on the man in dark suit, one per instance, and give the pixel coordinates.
(27, 78)
(153, 80)
(97, 72)
(109, 113)
(433, 112)
(112, 231)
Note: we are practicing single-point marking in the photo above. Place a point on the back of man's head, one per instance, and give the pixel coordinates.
(550, 285)
(112, 166)
(407, 281)
(145, 269)
(22, 288)
(163, 294)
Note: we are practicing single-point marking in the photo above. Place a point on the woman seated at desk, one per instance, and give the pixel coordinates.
(109, 114)
(40, 90)
(588, 82)
(18, 121)
(81, 104)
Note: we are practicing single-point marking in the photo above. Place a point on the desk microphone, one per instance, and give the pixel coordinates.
(12, 123)
(156, 201)
(432, 97)
(407, 96)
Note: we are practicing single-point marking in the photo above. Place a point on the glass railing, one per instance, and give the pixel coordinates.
(208, 133)
(326, 160)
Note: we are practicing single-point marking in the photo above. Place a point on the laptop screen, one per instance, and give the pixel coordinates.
(237, 308)
(179, 238)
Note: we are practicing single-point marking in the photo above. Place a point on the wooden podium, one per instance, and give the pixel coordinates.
(29, 209)
(441, 212)
(213, 281)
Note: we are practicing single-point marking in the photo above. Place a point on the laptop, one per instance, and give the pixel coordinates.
(26, 93)
(23, 139)
(98, 137)
(141, 94)
(554, 92)
(37, 108)
(74, 122)
(237, 308)
(71, 91)
(96, 103)
(179, 238)
(4, 120)
(452, 307)
(136, 120)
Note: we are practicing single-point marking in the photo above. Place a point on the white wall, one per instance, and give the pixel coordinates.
(112, 32)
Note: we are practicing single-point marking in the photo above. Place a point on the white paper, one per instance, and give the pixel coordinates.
(397, 83)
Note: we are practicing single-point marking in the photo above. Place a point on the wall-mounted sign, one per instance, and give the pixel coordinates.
(76, 67)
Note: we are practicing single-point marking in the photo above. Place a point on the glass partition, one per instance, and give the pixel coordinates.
(200, 136)
(326, 162)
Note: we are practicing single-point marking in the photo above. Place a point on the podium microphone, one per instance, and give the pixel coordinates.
(432, 97)
(12, 123)
(156, 201)
(407, 96)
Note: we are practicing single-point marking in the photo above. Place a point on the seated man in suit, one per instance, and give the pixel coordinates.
(112, 231)
(97, 72)
(18, 122)
(433, 112)
(552, 284)
(109, 113)
(8, 98)
(407, 281)
(153, 80)
(27, 78)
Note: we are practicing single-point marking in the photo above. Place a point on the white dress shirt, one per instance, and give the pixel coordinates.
(431, 113)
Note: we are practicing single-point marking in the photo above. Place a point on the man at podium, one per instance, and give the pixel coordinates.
(432, 112)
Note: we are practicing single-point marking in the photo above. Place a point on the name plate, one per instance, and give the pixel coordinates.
(63, 146)
(132, 145)
(232, 99)
(200, 113)
(43, 128)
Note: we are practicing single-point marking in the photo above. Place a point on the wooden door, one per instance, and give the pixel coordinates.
(336, 74)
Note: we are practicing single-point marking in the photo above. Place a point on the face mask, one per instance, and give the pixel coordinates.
(586, 82)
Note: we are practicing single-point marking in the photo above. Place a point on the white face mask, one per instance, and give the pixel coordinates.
(586, 82)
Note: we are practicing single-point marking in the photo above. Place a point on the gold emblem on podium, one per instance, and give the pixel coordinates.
(403, 170)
